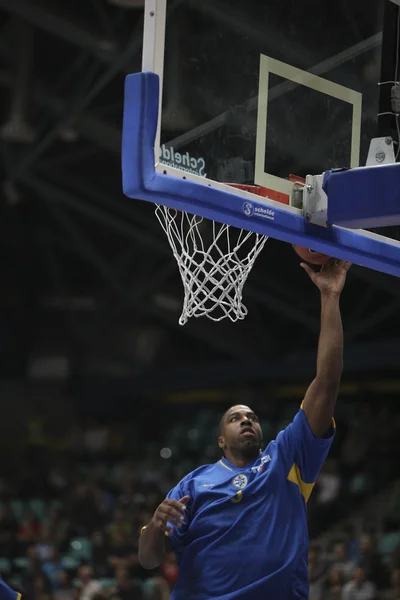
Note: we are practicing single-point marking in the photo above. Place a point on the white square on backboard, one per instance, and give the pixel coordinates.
(270, 65)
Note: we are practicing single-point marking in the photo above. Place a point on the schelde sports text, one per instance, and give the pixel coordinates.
(184, 162)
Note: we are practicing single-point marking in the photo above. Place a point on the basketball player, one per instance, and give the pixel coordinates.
(239, 527)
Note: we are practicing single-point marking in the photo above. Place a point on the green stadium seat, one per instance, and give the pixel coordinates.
(388, 543)
(21, 562)
(81, 548)
(15, 581)
(107, 583)
(70, 562)
(5, 566)
(17, 508)
(359, 484)
(38, 507)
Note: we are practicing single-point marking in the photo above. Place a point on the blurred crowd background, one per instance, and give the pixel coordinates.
(73, 504)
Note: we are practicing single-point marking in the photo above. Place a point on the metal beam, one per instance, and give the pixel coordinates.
(378, 280)
(63, 26)
(73, 112)
(93, 129)
(374, 319)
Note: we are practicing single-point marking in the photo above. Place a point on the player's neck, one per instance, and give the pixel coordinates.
(239, 461)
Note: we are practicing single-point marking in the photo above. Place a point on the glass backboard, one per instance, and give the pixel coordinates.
(232, 113)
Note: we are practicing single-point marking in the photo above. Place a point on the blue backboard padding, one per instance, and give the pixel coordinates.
(140, 181)
(365, 197)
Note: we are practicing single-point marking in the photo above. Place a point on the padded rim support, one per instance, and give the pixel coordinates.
(376, 203)
(140, 181)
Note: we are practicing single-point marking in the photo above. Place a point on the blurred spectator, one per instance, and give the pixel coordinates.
(89, 587)
(126, 588)
(360, 588)
(169, 569)
(316, 573)
(59, 527)
(53, 568)
(33, 579)
(370, 562)
(334, 584)
(325, 501)
(100, 554)
(84, 511)
(120, 524)
(394, 592)
(156, 588)
(65, 590)
(352, 542)
(44, 546)
(30, 529)
(126, 500)
(8, 532)
(342, 562)
(41, 590)
(121, 553)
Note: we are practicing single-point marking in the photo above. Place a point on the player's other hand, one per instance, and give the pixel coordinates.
(170, 512)
(332, 276)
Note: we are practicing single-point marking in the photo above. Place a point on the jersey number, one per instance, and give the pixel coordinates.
(237, 497)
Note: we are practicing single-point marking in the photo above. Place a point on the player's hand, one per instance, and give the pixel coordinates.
(332, 276)
(170, 511)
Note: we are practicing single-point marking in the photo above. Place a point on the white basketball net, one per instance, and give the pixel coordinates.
(214, 261)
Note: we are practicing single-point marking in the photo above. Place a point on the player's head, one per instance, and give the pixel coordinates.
(240, 435)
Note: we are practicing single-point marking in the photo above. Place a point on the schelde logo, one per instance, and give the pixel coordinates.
(248, 209)
(260, 211)
(183, 162)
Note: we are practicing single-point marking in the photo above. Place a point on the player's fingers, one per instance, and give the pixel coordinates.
(169, 513)
(175, 516)
(165, 523)
(164, 526)
(177, 504)
(184, 500)
(310, 272)
(346, 265)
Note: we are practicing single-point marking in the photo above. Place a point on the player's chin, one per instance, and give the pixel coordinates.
(251, 442)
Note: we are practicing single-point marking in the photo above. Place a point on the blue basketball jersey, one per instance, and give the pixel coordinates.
(245, 531)
(6, 593)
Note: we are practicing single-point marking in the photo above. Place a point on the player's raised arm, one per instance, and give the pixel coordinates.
(320, 399)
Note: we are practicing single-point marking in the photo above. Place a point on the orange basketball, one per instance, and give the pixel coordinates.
(310, 256)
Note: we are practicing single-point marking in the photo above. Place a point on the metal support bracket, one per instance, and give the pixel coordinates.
(315, 201)
(381, 152)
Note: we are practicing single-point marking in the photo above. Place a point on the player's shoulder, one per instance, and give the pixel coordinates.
(201, 471)
(199, 475)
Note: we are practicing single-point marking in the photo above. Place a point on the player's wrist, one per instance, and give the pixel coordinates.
(327, 295)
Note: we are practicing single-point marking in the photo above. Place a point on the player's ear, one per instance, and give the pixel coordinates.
(221, 442)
